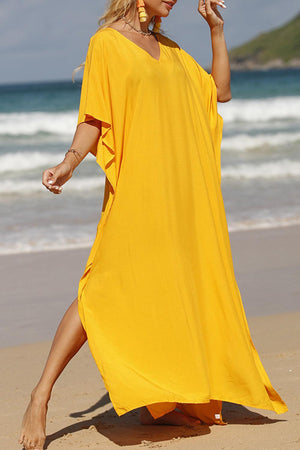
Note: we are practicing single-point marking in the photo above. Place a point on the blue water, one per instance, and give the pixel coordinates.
(260, 161)
(65, 95)
(50, 97)
(265, 84)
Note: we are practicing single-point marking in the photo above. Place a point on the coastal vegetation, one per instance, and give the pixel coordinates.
(277, 48)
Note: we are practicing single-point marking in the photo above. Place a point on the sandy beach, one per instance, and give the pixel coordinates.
(36, 288)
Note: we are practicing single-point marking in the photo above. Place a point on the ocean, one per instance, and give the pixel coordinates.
(260, 161)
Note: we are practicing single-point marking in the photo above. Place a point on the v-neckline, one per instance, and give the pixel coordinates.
(138, 46)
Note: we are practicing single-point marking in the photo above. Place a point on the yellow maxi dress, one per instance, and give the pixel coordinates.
(158, 298)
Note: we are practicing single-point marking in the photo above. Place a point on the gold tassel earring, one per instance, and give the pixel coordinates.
(141, 10)
(157, 24)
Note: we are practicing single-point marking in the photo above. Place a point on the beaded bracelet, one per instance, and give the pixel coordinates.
(73, 150)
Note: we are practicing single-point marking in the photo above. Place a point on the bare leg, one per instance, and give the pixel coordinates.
(171, 418)
(69, 338)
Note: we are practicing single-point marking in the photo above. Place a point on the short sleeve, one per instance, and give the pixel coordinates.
(95, 102)
(208, 90)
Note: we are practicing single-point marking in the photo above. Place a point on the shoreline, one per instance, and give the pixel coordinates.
(252, 66)
(263, 226)
(266, 264)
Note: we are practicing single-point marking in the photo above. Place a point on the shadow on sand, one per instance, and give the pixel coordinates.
(127, 430)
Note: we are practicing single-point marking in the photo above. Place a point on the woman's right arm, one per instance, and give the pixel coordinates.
(85, 140)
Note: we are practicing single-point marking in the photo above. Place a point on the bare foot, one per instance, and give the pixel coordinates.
(33, 434)
(172, 418)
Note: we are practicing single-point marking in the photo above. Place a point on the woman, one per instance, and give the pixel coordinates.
(158, 300)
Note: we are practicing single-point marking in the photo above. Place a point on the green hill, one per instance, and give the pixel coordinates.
(277, 48)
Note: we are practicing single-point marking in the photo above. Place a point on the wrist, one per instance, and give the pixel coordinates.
(217, 30)
(72, 158)
(70, 163)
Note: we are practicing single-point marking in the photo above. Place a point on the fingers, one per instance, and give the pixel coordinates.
(210, 4)
(208, 7)
(48, 176)
(49, 181)
(217, 3)
(209, 11)
(221, 3)
(54, 188)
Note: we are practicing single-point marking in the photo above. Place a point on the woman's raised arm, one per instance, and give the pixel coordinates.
(220, 61)
(85, 140)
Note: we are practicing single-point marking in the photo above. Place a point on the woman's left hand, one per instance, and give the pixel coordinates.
(209, 10)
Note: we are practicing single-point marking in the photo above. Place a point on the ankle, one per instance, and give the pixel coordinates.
(40, 396)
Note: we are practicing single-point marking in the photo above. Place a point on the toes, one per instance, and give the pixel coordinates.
(31, 445)
(36, 444)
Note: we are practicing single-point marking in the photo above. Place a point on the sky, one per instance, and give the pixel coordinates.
(45, 40)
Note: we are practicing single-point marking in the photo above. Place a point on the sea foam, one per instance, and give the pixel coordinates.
(31, 123)
(29, 187)
(242, 142)
(43, 239)
(237, 110)
(283, 168)
(23, 161)
(260, 110)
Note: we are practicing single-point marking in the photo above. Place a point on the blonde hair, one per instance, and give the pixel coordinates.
(115, 9)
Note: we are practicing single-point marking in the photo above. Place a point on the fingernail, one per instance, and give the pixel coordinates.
(50, 182)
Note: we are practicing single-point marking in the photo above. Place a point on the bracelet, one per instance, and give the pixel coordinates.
(73, 150)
